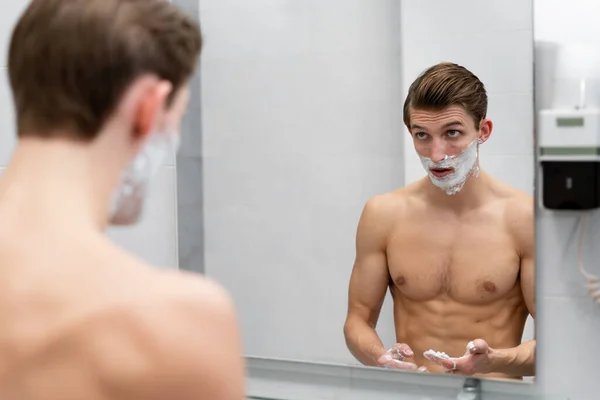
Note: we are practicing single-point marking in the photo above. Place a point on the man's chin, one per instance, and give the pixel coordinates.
(122, 222)
(448, 186)
(128, 216)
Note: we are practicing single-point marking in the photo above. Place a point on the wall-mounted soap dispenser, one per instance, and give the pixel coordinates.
(569, 145)
(568, 129)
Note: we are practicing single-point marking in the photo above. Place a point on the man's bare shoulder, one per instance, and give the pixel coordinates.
(183, 339)
(522, 205)
(510, 195)
(519, 204)
(519, 213)
(171, 332)
(392, 204)
(383, 212)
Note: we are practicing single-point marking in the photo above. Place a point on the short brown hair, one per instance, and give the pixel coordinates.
(444, 85)
(71, 61)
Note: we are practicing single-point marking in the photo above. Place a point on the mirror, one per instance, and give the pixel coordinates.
(343, 225)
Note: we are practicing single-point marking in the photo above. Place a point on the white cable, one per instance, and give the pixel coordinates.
(592, 281)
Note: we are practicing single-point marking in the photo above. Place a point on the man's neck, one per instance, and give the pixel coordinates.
(472, 195)
(58, 181)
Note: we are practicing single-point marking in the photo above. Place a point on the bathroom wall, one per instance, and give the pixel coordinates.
(565, 55)
(155, 238)
(567, 22)
(301, 122)
(8, 17)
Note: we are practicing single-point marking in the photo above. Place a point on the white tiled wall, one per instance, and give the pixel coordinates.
(155, 238)
(558, 66)
(302, 123)
(10, 12)
(575, 21)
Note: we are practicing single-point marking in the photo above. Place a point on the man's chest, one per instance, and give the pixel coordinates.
(471, 263)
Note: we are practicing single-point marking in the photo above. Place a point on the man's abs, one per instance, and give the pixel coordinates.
(448, 326)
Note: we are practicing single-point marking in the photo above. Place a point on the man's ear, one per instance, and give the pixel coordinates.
(151, 103)
(485, 130)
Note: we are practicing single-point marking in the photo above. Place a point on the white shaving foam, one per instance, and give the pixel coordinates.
(432, 354)
(463, 166)
(470, 347)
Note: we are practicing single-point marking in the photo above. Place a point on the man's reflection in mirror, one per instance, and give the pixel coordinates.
(456, 248)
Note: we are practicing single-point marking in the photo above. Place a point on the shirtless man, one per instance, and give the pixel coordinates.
(100, 87)
(456, 248)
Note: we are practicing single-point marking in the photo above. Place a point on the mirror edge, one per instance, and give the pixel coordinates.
(282, 379)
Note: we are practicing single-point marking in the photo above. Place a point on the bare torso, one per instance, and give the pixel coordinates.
(79, 318)
(455, 278)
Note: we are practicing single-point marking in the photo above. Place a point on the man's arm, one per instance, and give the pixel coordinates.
(368, 285)
(520, 360)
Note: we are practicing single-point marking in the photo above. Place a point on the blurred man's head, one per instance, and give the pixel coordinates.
(116, 71)
(445, 112)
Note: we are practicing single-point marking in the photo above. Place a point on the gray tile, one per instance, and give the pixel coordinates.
(190, 219)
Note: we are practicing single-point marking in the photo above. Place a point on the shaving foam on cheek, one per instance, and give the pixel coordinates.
(463, 165)
(128, 197)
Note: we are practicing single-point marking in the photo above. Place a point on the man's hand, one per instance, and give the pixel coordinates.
(394, 358)
(476, 360)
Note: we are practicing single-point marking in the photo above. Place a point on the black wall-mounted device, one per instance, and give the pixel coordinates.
(571, 185)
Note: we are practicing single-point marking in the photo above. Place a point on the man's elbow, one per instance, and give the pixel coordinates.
(351, 327)
(348, 327)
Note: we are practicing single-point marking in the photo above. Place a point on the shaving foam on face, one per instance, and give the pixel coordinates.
(128, 198)
(463, 165)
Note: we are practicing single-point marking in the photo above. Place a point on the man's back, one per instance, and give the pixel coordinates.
(79, 318)
(96, 119)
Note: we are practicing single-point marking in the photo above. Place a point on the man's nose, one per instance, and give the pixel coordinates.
(438, 151)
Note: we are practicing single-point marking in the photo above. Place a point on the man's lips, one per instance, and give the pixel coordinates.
(441, 172)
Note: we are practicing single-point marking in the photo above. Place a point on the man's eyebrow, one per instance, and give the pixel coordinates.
(446, 125)
(451, 123)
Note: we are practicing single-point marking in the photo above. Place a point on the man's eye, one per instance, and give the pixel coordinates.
(421, 135)
(453, 133)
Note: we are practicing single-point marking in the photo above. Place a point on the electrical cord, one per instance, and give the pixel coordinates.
(592, 281)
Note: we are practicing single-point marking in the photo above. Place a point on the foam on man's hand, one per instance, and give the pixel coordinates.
(431, 355)
(471, 348)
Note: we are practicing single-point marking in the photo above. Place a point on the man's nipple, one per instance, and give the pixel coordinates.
(489, 287)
